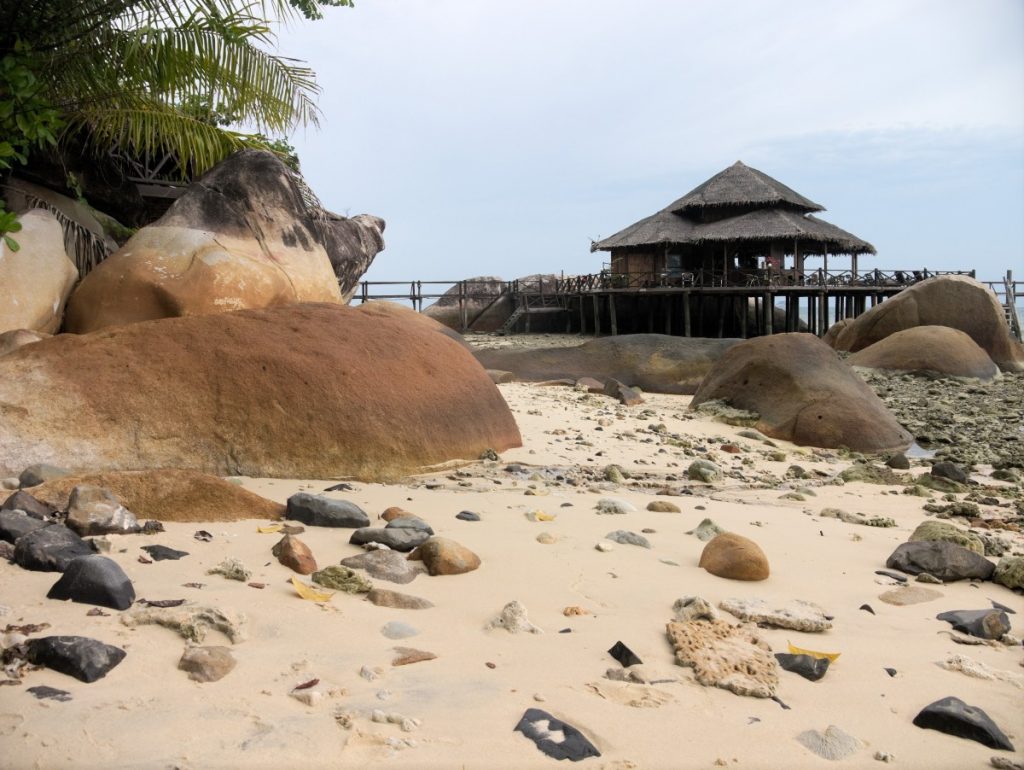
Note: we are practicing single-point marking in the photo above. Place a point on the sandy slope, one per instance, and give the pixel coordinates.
(147, 714)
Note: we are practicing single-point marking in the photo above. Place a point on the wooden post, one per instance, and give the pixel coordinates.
(668, 314)
(463, 320)
(744, 312)
(721, 315)
(823, 313)
(611, 314)
(686, 315)
(769, 312)
(583, 317)
(826, 261)
(597, 315)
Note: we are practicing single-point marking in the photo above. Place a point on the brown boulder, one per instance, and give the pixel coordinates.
(18, 338)
(948, 300)
(242, 236)
(488, 306)
(733, 556)
(802, 393)
(300, 391)
(657, 363)
(168, 494)
(295, 555)
(930, 350)
(442, 556)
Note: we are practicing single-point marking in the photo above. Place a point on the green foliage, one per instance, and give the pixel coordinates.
(121, 74)
(26, 118)
(9, 224)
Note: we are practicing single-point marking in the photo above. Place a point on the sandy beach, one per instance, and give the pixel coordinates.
(466, 702)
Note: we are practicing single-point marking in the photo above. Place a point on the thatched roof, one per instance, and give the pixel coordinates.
(741, 185)
(781, 216)
(760, 226)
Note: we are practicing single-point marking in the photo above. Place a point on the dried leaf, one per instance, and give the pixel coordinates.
(270, 530)
(257, 585)
(310, 593)
(162, 602)
(307, 685)
(832, 656)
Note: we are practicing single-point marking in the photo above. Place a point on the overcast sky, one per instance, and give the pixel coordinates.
(500, 138)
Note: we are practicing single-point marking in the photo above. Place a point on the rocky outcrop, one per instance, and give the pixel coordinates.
(722, 655)
(488, 306)
(301, 391)
(37, 278)
(948, 300)
(928, 350)
(351, 245)
(16, 338)
(657, 363)
(241, 237)
(168, 494)
(802, 393)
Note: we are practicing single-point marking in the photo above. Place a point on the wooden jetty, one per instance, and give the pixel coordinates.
(701, 305)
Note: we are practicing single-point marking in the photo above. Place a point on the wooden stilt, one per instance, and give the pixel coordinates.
(687, 330)
(611, 314)
(769, 312)
(744, 313)
(597, 314)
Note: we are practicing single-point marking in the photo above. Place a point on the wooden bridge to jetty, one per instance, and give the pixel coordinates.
(702, 304)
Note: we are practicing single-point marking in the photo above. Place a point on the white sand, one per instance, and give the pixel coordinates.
(147, 714)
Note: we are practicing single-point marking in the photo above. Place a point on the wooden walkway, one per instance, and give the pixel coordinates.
(687, 305)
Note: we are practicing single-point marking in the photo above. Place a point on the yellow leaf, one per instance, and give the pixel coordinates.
(270, 530)
(539, 515)
(310, 593)
(832, 656)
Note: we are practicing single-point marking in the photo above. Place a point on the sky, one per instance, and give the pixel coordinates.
(501, 138)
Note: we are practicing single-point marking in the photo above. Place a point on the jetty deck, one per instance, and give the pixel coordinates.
(691, 305)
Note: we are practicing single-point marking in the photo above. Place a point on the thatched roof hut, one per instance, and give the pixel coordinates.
(738, 221)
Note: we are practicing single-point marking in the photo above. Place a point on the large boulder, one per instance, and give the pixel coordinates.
(351, 245)
(488, 304)
(242, 236)
(928, 350)
(803, 393)
(13, 339)
(37, 278)
(300, 391)
(657, 363)
(167, 494)
(947, 300)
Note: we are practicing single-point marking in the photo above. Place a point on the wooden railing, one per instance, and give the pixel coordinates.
(608, 281)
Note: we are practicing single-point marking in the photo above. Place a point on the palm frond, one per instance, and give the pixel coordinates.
(148, 126)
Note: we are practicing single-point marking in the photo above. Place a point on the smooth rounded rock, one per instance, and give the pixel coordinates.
(94, 580)
(49, 549)
(734, 557)
(944, 560)
(442, 556)
(207, 664)
(396, 538)
(320, 511)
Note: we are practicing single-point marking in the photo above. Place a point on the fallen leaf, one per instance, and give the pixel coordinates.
(832, 656)
(307, 685)
(310, 593)
(270, 530)
(257, 585)
(162, 602)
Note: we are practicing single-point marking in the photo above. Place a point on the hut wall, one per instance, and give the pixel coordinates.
(637, 262)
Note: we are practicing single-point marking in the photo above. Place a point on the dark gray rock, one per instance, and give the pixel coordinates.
(624, 655)
(898, 462)
(984, 624)
(49, 549)
(34, 475)
(395, 538)
(467, 516)
(537, 725)
(94, 580)
(14, 524)
(163, 553)
(807, 666)
(946, 561)
(954, 717)
(85, 659)
(318, 511)
(951, 471)
(23, 501)
(384, 565)
(410, 522)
